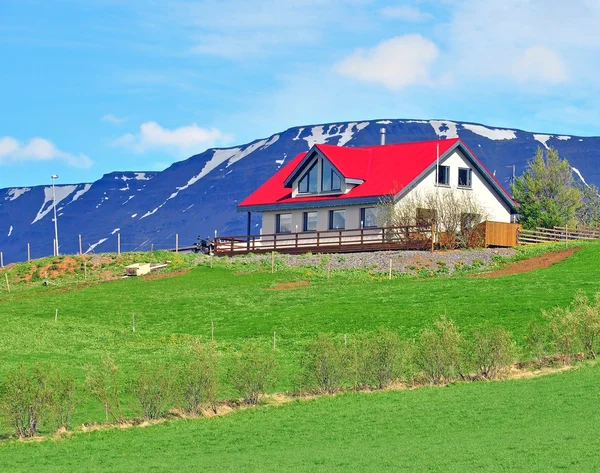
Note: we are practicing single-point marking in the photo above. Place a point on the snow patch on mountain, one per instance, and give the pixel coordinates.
(62, 192)
(10, 231)
(115, 231)
(14, 194)
(80, 192)
(262, 144)
(318, 135)
(491, 133)
(137, 176)
(576, 171)
(563, 137)
(219, 157)
(384, 122)
(444, 129)
(298, 135)
(91, 247)
(542, 139)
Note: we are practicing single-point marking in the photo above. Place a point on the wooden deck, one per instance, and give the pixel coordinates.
(330, 241)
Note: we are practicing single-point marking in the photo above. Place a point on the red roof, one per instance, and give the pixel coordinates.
(385, 170)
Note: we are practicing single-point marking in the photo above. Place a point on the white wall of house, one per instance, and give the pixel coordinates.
(496, 208)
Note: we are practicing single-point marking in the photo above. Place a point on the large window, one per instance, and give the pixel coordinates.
(443, 176)
(330, 179)
(426, 217)
(337, 219)
(310, 222)
(283, 223)
(308, 184)
(368, 217)
(464, 177)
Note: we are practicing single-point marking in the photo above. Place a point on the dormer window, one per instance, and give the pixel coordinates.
(330, 179)
(308, 184)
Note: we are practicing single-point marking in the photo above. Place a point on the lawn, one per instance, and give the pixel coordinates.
(543, 424)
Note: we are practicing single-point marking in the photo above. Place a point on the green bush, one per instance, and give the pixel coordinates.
(438, 352)
(324, 364)
(102, 383)
(62, 397)
(377, 359)
(153, 389)
(252, 373)
(564, 332)
(493, 350)
(199, 378)
(26, 399)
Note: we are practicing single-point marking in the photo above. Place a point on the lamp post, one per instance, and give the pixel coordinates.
(54, 176)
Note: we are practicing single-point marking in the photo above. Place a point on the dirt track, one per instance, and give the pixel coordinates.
(529, 264)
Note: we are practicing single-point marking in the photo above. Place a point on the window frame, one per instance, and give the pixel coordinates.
(306, 176)
(363, 219)
(332, 173)
(278, 223)
(438, 174)
(305, 221)
(469, 184)
(331, 219)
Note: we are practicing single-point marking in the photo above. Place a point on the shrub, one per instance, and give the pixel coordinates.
(26, 399)
(588, 314)
(536, 340)
(62, 397)
(153, 389)
(438, 352)
(323, 364)
(493, 350)
(251, 373)
(199, 378)
(377, 359)
(102, 383)
(564, 330)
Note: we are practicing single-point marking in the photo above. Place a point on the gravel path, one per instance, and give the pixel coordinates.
(402, 261)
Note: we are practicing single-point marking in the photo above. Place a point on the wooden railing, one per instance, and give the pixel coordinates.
(330, 241)
(547, 235)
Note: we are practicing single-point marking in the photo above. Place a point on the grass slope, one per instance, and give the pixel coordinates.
(543, 424)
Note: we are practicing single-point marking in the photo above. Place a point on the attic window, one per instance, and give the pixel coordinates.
(308, 184)
(443, 177)
(330, 179)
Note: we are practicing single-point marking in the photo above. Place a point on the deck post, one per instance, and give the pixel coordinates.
(248, 229)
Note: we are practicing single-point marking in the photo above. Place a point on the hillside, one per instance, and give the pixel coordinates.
(199, 195)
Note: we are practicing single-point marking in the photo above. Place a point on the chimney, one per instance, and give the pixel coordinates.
(382, 133)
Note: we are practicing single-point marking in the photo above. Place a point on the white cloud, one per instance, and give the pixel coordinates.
(405, 13)
(539, 64)
(395, 63)
(109, 117)
(38, 149)
(182, 140)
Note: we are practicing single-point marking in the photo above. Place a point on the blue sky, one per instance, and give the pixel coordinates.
(92, 86)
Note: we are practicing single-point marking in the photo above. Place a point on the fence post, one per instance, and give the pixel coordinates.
(80, 247)
(566, 236)
(272, 262)
(53, 247)
(7, 284)
(28, 252)
(1, 260)
(118, 244)
(177, 243)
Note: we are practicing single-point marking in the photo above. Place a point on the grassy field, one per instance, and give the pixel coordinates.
(543, 424)
(435, 429)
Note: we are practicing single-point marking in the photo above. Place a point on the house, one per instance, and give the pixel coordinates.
(338, 188)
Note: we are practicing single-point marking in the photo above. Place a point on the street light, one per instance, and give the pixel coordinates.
(54, 176)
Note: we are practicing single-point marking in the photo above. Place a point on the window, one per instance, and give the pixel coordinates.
(283, 223)
(330, 179)
(310, 222)
(464, 177)
(426, 217)
(337, 219)
(308, 184)
(368, 217)
(443, 177)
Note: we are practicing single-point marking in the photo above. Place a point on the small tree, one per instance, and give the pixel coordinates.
(589, 212)
(537, 340)
(103, 384)
(588, 314)
(545, 192)
(324, 363)
(62, 397)
(26, 399)
(564, 329)
(153, 388)
(493, 351)
(251, 373)
(200, 381)
(438, 353)
(378, 359)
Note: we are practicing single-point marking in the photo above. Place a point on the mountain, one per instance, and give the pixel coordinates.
(199, 195)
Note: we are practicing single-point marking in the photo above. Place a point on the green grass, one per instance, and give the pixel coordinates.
(543, 424)
(170, 312)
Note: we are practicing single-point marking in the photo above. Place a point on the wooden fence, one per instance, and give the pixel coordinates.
(555, 234)
(331, 241)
